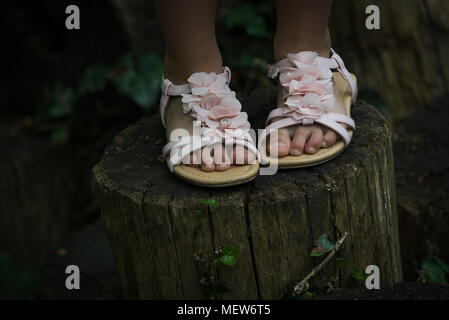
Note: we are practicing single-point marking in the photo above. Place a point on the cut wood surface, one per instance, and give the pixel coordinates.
(150, 216)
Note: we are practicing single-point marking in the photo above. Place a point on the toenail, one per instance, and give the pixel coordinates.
(281, 145)
(312, 150)
(296, 152)
(324, 144)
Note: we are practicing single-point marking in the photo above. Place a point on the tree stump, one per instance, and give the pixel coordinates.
(405, 60)
(422, 170)
(154, 221)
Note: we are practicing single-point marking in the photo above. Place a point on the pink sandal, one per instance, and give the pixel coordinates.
(308, 95)
(217, 112)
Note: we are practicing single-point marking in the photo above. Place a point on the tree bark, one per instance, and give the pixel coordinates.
(37, 187)
(422, 168)
(405, 61)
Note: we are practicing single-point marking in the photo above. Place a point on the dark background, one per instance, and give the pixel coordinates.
(65, 94)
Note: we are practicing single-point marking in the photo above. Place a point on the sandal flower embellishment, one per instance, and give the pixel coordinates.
(227, 115)
(214, 103)
(308, 89)
(311, 106)
(205, 88)
(222, 113)
(309, 59)
(225, 119)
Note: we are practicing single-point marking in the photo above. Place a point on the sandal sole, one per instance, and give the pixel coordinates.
(235, 176)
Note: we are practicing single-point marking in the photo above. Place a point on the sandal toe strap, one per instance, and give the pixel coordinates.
(176, 151)
(331, 120)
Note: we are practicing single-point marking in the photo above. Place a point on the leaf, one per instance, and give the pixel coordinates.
(341, 263)
(246, 17)
(443, 264)
(209, 202)
(307, 295)
(94, 79)
(357, 274)
(323, 245)
(139, 80)
(60, 135)
(433, 271)
(58, 101)
(229, 256)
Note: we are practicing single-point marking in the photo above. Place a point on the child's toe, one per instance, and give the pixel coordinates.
(221, 159)
(329, 139)
(314, 142)
(207, 161)
(282, 144)
(299, 140)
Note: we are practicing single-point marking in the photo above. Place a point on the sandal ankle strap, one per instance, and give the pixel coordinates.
(169, 89)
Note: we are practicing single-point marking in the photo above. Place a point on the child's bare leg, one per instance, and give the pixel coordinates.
(303, 26)
(188, 29)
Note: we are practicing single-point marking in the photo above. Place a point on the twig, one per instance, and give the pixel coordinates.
(300, 286)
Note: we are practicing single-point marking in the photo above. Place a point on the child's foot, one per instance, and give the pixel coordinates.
(179, 115)
(306, 139)
(306, 76)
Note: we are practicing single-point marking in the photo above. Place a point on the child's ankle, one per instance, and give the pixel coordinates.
(284, 45)
(179, 70)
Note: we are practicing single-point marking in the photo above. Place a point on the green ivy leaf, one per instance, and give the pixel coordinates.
(59, 101)
(434, 272)
(246, 17)
(229, 256)
(60, 135)
(358, 274)
(443, 264)
(94, 79)
(323, 245)
(140, 80)
(209, 202)
(341, 263)
(307, 295)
